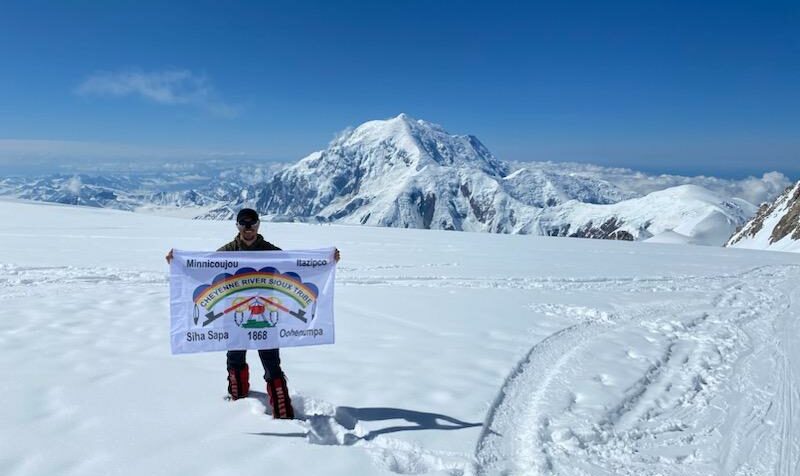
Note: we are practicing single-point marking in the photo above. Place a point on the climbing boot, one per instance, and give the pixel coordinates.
(238, 382)
(279, 399)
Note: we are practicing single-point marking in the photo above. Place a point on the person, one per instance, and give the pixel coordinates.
(248, 239)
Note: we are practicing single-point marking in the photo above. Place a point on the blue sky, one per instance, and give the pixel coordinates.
(679, 87)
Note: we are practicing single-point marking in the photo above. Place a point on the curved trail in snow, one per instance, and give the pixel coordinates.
(707, 388)
(787, 329)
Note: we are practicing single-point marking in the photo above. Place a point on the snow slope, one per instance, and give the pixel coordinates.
(457, 353)
(698, 215)
(775, 227)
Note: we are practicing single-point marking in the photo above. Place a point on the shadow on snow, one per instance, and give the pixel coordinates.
(337, 429)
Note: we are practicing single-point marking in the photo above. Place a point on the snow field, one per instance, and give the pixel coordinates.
(456, 353)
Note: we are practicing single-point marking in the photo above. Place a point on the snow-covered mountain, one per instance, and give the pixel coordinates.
(685, 214)
(400, 173)
(638, 184)
(75, 190)
(776, 226)
(541, 187)
(409, 173)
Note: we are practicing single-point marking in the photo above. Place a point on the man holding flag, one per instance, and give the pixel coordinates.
(248, 239)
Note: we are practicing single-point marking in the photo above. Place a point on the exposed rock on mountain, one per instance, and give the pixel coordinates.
(776, 225)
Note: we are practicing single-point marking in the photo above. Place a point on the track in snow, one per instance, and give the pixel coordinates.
(704, 389)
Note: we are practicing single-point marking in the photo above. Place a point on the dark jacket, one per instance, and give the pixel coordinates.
(259, 245)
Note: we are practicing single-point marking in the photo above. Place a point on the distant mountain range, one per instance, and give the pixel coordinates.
(188, 194)
(410, 173)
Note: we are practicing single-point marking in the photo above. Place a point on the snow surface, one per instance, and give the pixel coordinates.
(457, 353)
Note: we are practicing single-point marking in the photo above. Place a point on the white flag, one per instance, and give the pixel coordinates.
(251, 299)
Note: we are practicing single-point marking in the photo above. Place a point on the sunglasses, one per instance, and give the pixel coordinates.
(246, 225)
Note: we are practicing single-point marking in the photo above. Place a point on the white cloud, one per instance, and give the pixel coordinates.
(757, 190)
(73, 185)
(170, 87)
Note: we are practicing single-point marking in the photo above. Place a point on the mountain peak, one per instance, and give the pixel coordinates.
(409, 143)
(394, 128)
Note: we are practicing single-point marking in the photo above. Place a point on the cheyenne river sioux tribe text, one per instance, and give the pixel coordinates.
(249, 282)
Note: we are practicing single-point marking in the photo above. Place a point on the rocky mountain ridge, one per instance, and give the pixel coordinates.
(775, 226)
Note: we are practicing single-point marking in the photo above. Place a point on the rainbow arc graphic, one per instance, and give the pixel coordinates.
(240, 286)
